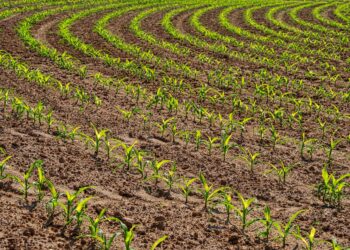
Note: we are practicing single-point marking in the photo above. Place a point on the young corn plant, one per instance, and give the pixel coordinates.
(267, 223)
(285, 230)
(198, 139)
(129, 154)
(250, 158)
(70, 204)
(261, 132)
(72, 133)
(211, 143)
(82, 72)
(331, 189)
(225, 144)
(40, 183)
(227, 203)
(208, 192)
(156, 166)
(322, 127)
(158, 242)
(38, 113)
(3, 165)
(64, 89)
(128, 235)
(140, 163)
(281, 171)
(335, 246)
(186, 187)
(105, 243)
(52, 203)
(25, 182)
(96, 233)
(174, 131)
(94, 230)
(49, 120)
(186, 136)
(109, 146)
(308, 144)
(163, 126)
(5, 98)
(245, 211)
(275, 137)
(97, 101)
(332, 146)
(308, 240)
(98, 138)
(170, 178)
(128, 114)
(80, 211)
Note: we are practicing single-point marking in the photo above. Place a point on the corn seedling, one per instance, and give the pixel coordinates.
(82, 72)
(335, 246)
(280, 171)
(285, 230)
(308, 240)
(275, 137)
(128, 114)
(332, 145)
(80, 211)
(41, 180)
(170, 178)
(163, 126)
(129, 154)
(309, 144)
(73, 133)
(109, 146)
(158, 242)
(64, 89)
(244, 211)
(210, 143)
(261, 131)
(242, 126)
(186, 136)
(227, 203)
(5, 98)
(97, 101)
(173, 130)
(105, 243)
(94, 230)
(70, 205)
(96, 233)
(250, 158)
(331, 189)
(52, 203)
(62, 132)
(25, 183)
(186, 187)
(98, 138)
(128, 235)
(3, 165)
(267, 223)
(322, 127)
(49, 120)
(225, 144)
(140, 163)
(156, 166)
(208, 192)
(38, 112)
(198, 139)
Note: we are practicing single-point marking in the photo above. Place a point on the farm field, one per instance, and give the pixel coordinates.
(128, 124)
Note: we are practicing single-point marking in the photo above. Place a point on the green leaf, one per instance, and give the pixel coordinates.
(158, 242)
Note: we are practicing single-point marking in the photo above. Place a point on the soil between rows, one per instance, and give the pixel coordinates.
(71, 165)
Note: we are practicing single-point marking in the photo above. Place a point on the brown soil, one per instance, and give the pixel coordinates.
(70, 164)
